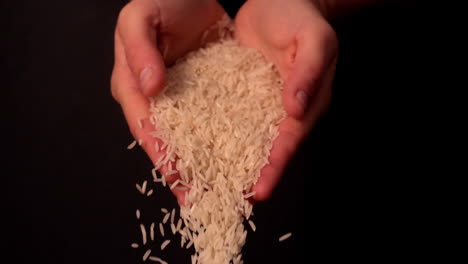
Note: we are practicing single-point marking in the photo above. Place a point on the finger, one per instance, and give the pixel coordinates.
(291, 133)
(310, 63)
(137, 25)
(136, 110)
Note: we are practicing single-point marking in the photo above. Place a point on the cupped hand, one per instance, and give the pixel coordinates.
(294, 36)
(151, 34)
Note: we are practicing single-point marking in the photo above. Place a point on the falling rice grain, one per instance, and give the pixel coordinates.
(143, 187)
(164, 244)
(252, 225)
(179, 224)
(143, 233)
(152, 231)
(284, 237)
(139, 188)
(161, 229)
(146, 255)
(132, 145)
(172, 216)
(166, 217)
(138, 214)
(156, 259)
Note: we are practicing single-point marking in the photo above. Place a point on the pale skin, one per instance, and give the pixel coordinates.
(293, 34)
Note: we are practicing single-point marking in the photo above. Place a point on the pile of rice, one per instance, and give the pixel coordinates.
(218, 116)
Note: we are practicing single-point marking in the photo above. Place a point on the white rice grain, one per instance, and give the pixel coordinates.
(163, 178)
(284, 237)
(248, 195)
(143, 233)
(173, 215)
(166, 217)
(164, 244)
(140, 124)
(252, 225)
(150, 192)
(146, 255)
(138, 214)
(171, 172)
(156, 259)
(179, 224)
(132, 145)
(143, 187)
(189, 244)
(161, 229)
(134, 245)
(152, 231)
(139, 188)
(175, 184)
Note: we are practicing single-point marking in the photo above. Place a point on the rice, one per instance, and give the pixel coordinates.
(161, 229)
(173, 215)
(247, 196)
(284, 237)
(166, 217)
(139, 188)
(164, 210)
(143, 187)
(163, 180)
(140, 141)
(138, 214)
(132, 145)
(174, 184)
(143, 233)
(140, 124)
(146, 255)
(159, 162)
(179, 225)
(189, 244)
(150, 192)
(156, 259)
(134, 245)
(252, 225)
(152, 231)
(164, 244)
(171, 172)
(217, 119)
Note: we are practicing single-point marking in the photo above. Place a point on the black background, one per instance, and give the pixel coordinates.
(69, 180)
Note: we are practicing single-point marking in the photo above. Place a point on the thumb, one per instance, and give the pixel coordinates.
(137, 27)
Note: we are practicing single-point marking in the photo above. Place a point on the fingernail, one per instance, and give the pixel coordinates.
(145, 76)
(303, 99)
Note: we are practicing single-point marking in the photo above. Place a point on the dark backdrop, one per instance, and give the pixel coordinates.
(69, 180)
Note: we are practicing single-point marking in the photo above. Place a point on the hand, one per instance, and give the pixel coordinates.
(294, 36)
(149, 35)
